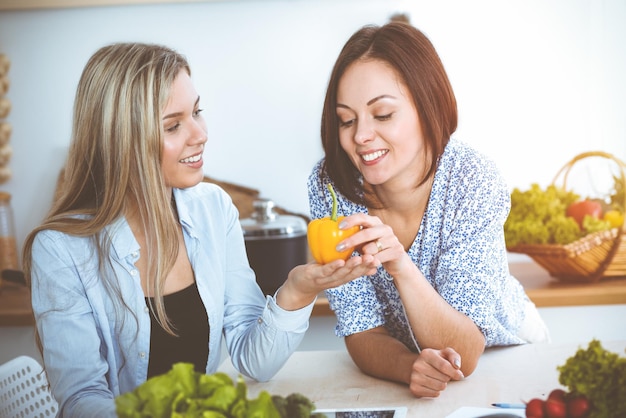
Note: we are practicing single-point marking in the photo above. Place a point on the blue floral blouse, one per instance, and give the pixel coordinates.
(459, 248)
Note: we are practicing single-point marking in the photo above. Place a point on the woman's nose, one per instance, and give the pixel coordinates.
(199, 133)
(364, 133)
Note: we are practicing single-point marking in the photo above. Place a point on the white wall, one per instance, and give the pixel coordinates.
(537, 81)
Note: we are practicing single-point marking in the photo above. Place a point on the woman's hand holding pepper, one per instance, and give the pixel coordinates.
(306, 281)
(377, 245)
(378, 240)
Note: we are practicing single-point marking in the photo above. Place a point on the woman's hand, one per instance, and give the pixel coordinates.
(378, 240)
(379, 354)
(432, 371)
(306, 281)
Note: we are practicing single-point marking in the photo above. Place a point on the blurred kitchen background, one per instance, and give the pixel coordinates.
(537, 82)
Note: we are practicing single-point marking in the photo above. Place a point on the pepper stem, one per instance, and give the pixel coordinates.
(333, 214)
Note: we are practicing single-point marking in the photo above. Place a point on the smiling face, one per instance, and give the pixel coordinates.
(379, 126)
(184, 133)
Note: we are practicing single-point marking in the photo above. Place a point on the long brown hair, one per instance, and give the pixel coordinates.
(414, 58)
(114, 160)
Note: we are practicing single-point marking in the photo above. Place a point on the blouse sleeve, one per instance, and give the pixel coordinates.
(260, 335)
(472, 268)
(66, 323)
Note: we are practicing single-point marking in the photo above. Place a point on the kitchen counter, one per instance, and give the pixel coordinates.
(543, 289)
(15, 307)
(504, 375)
(547, 291)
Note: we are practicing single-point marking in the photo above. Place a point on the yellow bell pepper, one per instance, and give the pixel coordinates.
(615, 218)
(324, 234)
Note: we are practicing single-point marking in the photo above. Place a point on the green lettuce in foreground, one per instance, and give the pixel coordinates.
(600, 376)
(184, 393)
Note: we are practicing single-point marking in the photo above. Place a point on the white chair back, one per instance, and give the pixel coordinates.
(24, 390)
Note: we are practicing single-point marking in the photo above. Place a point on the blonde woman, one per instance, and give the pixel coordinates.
(140, 264)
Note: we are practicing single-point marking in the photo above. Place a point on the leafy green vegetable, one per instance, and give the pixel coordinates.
(591, 224)
(537, 216)
(184, 393)
(263, 407)
(599, 375)
(280, 403)
(299, 405)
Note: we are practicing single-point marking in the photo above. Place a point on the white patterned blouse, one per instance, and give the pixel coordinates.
(459, 248)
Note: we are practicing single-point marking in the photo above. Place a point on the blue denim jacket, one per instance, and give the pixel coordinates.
(92, 355)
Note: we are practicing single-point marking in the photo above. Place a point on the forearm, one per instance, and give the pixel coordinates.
(260, 347)
(290, 297)
(378, 354)
(435, 323)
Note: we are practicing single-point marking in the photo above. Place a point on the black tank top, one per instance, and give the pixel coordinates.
(191, 324)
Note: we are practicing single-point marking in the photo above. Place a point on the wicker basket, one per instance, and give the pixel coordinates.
(596, 256)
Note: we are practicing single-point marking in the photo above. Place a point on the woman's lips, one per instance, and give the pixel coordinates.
(194, 161)
(374, 156)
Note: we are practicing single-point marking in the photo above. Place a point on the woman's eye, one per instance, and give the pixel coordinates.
(197, 112)
(384, 117)
(173, 128)
(346, 124)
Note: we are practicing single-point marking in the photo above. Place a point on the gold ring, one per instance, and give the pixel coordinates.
(379, 245)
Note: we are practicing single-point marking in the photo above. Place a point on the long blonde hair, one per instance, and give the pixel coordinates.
(114, 161)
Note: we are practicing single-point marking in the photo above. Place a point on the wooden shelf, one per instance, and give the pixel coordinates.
(546, 291)
(15, 305)
(59, 4)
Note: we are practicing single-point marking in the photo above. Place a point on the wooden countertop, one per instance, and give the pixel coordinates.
(542, 289)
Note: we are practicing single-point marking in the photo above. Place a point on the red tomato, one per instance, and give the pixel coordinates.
(558, 394)
(578, 407)
(534, 408)
(578, 210)
(555, 408)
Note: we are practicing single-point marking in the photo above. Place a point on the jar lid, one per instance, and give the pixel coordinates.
(265, 223)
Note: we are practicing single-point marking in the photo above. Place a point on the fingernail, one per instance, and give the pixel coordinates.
(340, 247)
(457, 363)
(342, 224)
